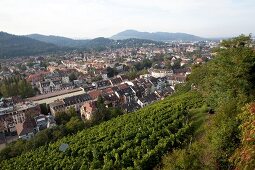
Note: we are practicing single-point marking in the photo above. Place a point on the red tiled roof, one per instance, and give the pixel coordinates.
(90, 106)
(37, 75)
(108, 90)
(123, 86)
(95, 94)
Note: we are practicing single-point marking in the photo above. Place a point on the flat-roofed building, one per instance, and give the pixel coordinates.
(59, 95)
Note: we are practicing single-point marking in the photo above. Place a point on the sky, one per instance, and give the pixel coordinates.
(104, 18)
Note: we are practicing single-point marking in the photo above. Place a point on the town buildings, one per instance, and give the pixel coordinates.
(12, 113)
(72, 80)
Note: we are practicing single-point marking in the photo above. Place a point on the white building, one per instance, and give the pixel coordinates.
(160, 73)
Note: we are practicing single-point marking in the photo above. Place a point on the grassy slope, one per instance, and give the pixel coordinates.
(197, 154)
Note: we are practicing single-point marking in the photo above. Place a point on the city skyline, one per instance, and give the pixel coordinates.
(104, 18)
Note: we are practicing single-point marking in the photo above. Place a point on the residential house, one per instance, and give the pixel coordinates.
(103, 84)
(165, 92)
(146, 100)
(115, 81)
(176, 79)
(94, 94)
(126, 94)
(111, 99)
(44, 122)
(88, 109)
(27, 129)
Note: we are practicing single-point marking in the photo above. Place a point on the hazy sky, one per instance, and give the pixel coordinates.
(93, 18)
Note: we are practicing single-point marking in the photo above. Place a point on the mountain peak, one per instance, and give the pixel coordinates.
(155, 36)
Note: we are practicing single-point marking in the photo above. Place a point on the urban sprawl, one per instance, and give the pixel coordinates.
(125, 78)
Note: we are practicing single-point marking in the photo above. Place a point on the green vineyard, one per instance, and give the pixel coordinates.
(132, 141)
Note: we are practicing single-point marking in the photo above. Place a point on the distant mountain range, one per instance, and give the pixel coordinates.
(96, 43)
(156, 36)
(34, 44)
(128, 34)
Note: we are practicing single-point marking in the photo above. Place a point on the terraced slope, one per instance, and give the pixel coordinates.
(136, 140)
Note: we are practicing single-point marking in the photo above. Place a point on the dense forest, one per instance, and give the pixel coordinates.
(207, 124)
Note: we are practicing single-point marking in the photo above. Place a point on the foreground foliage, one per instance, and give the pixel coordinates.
(227, 83)
(244, 156)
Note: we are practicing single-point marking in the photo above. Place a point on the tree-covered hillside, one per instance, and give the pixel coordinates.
(156, 36)
(227, 84)
(12, 46)
(59, 41)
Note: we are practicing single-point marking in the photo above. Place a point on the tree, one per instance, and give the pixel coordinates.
(230, 75)
(97, 78)
(5, 90)
(111, 72)
(16, 86)
(71, 111)
(100, 113)
(44, 64)
(113, 112)
(74, 125)
(25, 89)
(72, 77)
(30, 64)
(41, 138)
(177, 64)
(22, 67)
(44, 109)
(237, 42)
(62, 118)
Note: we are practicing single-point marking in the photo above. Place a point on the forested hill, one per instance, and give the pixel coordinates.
(96, 43)
(59, 41)
(13, 45)
(156, 36)
(207, 124)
